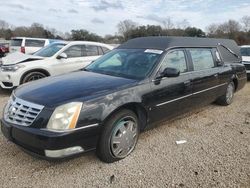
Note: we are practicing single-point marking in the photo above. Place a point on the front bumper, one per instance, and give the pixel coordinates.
(36, 141)
(9, 80)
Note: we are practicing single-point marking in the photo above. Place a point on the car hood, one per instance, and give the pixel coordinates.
(246, 58)
(18, 57)
(76, 86)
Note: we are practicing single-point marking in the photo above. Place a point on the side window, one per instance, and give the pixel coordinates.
(202, 59)
(91, 50)
(34, 43)
(74, 51)
(175, 59)
(105, 50)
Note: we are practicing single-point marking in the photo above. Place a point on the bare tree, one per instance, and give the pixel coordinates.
(183, 24)
(245, 20)
(168, 23)
(4, 24)
(124, 27)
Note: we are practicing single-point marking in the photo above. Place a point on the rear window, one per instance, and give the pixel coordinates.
(105, 50)
(16, 42)
(245, 51)
(34, 43)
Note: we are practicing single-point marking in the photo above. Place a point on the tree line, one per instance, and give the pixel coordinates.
(128, 29)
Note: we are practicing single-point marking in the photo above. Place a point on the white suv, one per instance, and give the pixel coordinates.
(28, 45)
(54, 59)
(245, 53)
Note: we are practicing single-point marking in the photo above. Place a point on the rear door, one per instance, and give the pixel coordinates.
(91, 53)
(205, 76)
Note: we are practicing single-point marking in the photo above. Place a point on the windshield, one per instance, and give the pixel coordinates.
(128, 63)
(245, 51)
(49, 50)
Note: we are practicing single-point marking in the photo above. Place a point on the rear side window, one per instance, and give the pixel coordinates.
(245, 51)
(16, 42)
(105, 50)
(175, 59)
(74, 51)
(202, 59)
(34, 43)
(90, 50)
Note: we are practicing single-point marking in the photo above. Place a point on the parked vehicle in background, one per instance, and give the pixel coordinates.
(54, 59)
(4, 49)
(28, 45)
(245, 53)
(130, 89)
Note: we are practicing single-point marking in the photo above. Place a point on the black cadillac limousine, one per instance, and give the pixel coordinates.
(107, 104)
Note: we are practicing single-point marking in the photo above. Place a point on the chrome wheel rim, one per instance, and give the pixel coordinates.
(35, 77)
(124, 137)
(230, 93)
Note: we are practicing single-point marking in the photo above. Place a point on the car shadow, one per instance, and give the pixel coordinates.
(5, 92)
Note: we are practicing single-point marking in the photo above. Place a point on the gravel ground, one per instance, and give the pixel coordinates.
(217, 154)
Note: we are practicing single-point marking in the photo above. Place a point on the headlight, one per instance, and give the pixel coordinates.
(11, 68)
(65, 117)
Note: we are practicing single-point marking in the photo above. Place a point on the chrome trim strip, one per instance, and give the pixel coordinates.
(209, 89)
(174, 100)
(71, 130)
(185, 96)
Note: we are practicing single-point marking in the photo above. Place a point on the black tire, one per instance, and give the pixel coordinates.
(32, 76)
(104, 147)
(227, 98)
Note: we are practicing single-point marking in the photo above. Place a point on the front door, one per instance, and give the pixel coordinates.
(171, 96)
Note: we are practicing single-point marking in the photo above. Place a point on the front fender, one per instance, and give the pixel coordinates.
(97, 110)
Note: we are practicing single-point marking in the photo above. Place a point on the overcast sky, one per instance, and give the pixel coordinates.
(102, 16)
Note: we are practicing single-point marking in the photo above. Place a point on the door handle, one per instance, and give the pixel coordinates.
(187, 83)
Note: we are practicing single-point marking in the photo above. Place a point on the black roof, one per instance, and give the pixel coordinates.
(164, 43)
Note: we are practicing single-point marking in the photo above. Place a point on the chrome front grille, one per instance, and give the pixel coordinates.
(20, 112)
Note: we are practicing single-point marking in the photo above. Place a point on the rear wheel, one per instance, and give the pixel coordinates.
(227, 98)
(32, 76)
(119, 137)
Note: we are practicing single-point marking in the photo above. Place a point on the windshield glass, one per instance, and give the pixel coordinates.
(49, 50)
(128, 63)
(245, 51)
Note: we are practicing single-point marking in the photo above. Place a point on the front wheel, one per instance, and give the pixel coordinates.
(119, 136)
(32, 76)
(227, 98)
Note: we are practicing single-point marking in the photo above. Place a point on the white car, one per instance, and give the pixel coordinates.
(28, 45)
(245, 53)
(54, 59)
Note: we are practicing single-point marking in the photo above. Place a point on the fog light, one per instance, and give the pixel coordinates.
(63, 152)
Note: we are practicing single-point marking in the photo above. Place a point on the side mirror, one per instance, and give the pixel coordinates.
(170, 72)
(219, 63)
(62, 56)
